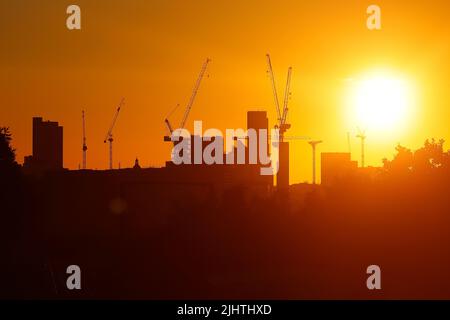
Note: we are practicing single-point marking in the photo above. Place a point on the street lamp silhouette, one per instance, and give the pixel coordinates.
(313, 145)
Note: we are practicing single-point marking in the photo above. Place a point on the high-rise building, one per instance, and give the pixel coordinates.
(47, 146)
(283, 170)
(258, 120)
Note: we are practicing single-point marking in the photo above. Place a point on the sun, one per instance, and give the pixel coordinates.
(381, 102)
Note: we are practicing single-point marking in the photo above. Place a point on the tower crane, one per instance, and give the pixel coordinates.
(109, 134)
(281, 114)
(190, 103)
(84, 141)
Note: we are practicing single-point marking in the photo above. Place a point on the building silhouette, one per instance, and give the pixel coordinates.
(283, 171)
(336, 166)
(47, 146)
(258, 120)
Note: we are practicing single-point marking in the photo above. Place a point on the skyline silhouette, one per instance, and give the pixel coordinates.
(360, 107)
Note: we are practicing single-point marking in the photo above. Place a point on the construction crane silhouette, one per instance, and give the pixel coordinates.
(168, 125)
(313, 144)
(84, 148)
(281, 114)
(362, 135)
(109, 135)
(190, 103)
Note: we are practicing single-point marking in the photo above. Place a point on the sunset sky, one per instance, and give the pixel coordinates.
(150, 52)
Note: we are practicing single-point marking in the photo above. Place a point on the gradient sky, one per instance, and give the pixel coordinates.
(150, 52)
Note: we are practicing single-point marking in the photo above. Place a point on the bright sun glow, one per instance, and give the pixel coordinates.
(381, 102)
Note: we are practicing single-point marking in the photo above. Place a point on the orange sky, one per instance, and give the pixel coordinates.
(150, 52)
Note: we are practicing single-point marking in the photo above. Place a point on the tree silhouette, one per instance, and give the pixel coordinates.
(402, 162)
(430, 157)
(7, 153)
(9, 172)
(10, 175)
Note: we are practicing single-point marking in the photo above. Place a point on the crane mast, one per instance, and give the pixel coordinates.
(84, 141)
(109, 135)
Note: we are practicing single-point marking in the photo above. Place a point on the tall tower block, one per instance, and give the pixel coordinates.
(283, 171)
(47, 144)
(258, 120)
